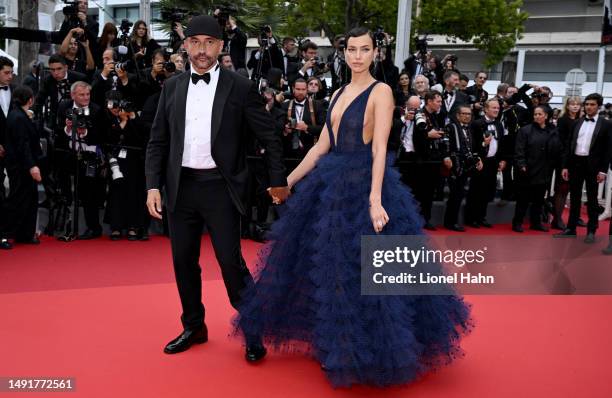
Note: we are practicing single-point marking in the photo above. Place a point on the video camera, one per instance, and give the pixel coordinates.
(79, 117)
(71, 10)
(380, 37)
(264, 31)
(224, 14)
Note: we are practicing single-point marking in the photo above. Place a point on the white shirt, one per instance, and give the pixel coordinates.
(198, 117)
(5, 100)
(493, 144)
(80, 143)
(407, 132)
(585, 136)
(299, 110)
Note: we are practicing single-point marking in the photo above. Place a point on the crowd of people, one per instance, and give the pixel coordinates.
(94, 103)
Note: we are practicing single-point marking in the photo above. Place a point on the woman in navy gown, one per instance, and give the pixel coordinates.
(307, 295)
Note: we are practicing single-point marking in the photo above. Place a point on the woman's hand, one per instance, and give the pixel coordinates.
(379, 217)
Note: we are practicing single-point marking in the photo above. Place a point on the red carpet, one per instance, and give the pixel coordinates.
(101, 312)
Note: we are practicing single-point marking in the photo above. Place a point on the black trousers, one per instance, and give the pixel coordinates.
(125, 207)
(509, 190)
(203, 200)
(483, 185)
(529, 194)
(20, 207)
(457, 192)
(427, 177)
(579, 174)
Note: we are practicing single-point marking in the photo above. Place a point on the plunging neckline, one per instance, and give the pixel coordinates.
(331, 124)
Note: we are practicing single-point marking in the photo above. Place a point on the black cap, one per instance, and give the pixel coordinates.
(204, 25)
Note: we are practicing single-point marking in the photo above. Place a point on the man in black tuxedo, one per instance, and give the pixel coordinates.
(489, 143)
(478, 93)
(309, 66)
(586, 163)
(198, 140)
(305, 117)
(6, 89)
(56, 87)
(451, 98)
(23, 155)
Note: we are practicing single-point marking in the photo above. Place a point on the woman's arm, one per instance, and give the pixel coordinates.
(383, 116)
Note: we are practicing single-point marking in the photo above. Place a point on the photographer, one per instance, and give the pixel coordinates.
(141, 47)
(225, 61)
(76, 17)
(340, 73)
(477, 94)
(267, 56)
(32, 78)
(403, 127)
(77, 52)
(108, 40)
(55, 88)
(432, 151)
(539, 96)
(465, 163)
(125, 209)
(153, 78)
(309, 66)
(87, 141)
(315, 90)
(384, 69)
(449, 62)
(113, 76)
(491, 146)
(22, 164)
(234, 39)
(305, 119)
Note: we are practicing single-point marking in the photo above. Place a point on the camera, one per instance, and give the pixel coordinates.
(116, 173)
(79, 116)
(224, 14)
(420, 120)
(264, 31)
(342, 44)
(71, 10)
(169, 66)
(124, 105)
(174, 15)
(380, 37)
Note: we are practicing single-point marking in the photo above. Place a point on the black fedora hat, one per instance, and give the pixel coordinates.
(204, 25)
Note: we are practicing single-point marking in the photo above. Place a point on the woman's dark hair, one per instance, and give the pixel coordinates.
(108, 29)
(134, 33)
(22, 94)
(543, 108)
(400, 76)
(358, 32)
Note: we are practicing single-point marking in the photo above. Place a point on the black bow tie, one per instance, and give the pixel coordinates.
(4, 88)
(448, 94)
(589, 119)
(195, 78)
(298, 104)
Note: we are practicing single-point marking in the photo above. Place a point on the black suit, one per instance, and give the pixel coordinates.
(49, 89)
(22, 153)
(447, 114)
(236, 47)
(215, 197)
(3, 138)
(584, 170)
(306, 139)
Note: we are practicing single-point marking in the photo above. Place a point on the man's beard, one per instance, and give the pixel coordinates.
(202, 61)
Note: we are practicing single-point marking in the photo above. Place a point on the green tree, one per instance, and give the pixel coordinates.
(493, 26)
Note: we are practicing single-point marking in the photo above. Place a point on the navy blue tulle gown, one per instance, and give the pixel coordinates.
(307, 295)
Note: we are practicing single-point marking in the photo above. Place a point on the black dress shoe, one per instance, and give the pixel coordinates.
(590, 238)
(186, 340)
(144, 236)
(255, 352)
(486, 224)
(581, 223)
(33, 241)
(430, 227)
(89, 234)
(538, 227)
(132, 236)
(115, 236)
(473, 224)
(5, 244)
(567, 233)
(517, 228)
(455, 227)
(558, 225)
(608, 250)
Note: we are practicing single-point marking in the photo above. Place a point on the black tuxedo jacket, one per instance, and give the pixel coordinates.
(308, 140)
(460, 99)
(237, 107)
(48, 89)
(599, 151)
(4, 117)
(96, 132)
(22, 141)
(478, 127)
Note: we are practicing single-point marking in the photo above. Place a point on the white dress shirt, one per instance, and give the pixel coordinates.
(585, 135)
(198, 117)
(493, 144)
(299, 110)
(406, 136)
(5, 100)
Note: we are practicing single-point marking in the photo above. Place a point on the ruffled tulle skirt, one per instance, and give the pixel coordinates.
(307, 295)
